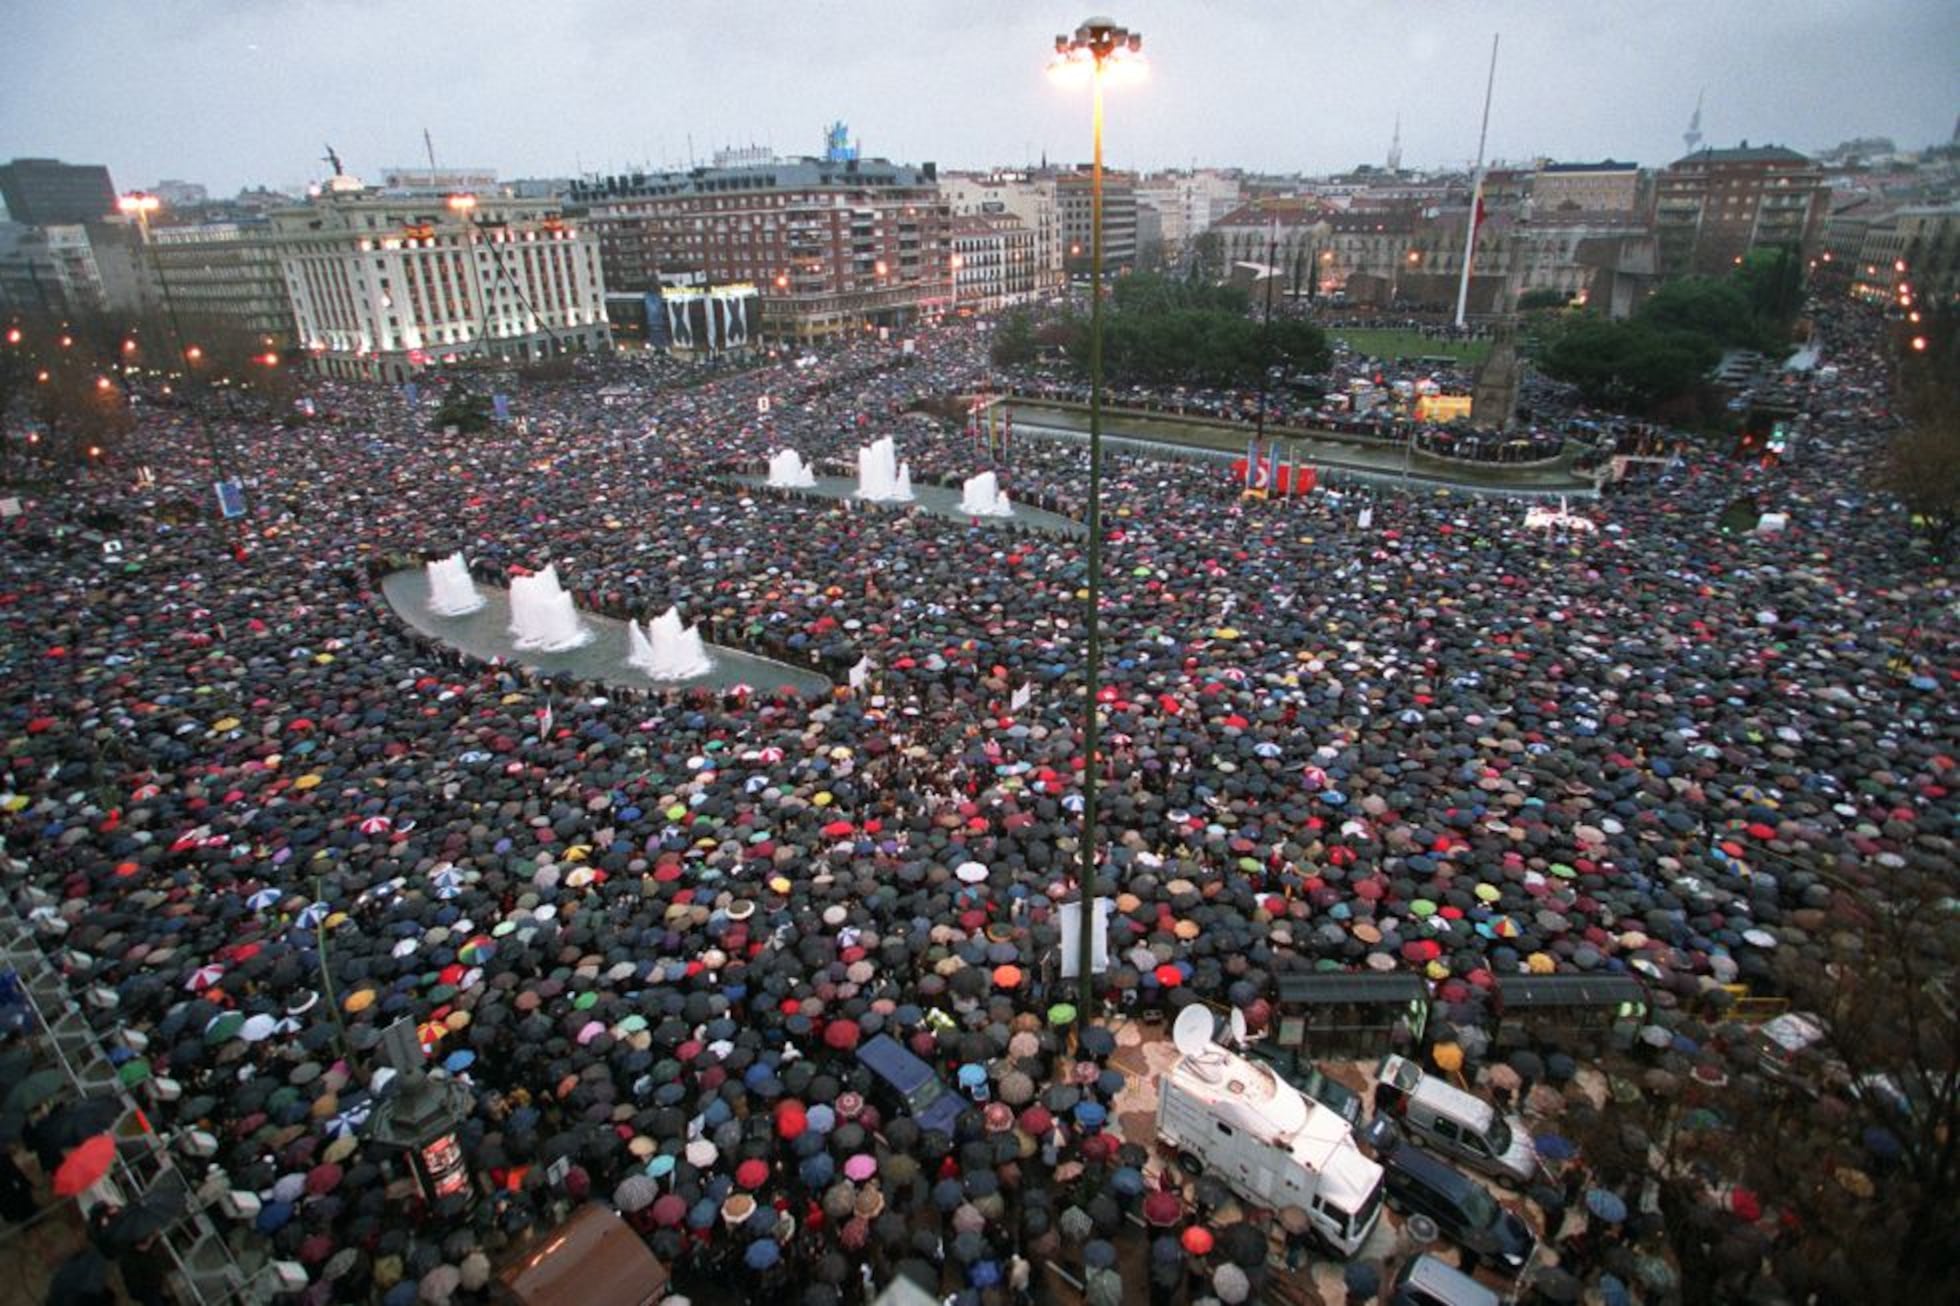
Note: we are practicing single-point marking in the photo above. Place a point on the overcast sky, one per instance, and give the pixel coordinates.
(230, 92)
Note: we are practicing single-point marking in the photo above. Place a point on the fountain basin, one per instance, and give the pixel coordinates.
(485, 634)
(939, 500)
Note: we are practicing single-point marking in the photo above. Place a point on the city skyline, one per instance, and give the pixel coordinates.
(610, 89)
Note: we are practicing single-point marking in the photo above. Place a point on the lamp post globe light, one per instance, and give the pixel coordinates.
(1098, 48)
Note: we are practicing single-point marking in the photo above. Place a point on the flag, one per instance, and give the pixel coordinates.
(1273, 482)
(1478, 221)
(546, 719)
(411, 392)
(1006, 430)
(500, 405)
(1022, 697)
(1251, 461)
(861, 673)
(1367, 517)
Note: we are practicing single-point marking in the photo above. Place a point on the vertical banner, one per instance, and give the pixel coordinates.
(1006, 431)
(231, 498)
(411, 392)
(500, 404)
(1071, 945)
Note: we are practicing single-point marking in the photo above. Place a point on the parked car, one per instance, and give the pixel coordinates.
(1428, 1281)
(1453, 1122)
(908, 1085)
(1420, 1184)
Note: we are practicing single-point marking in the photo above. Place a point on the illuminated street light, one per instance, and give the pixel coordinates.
(462, 203)
(1098, 49)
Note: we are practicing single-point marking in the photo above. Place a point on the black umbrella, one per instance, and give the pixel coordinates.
(147, 1216)
(82, 1277)
(1242, 1245)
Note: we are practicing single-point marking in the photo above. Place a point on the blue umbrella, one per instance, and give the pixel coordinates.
(1090, 1115)
(1554, 1148)
(703, 1214)
(984, 1274)
(1099, 1255)
(1127, 1181)
(762, 1254)
(1607, 1206)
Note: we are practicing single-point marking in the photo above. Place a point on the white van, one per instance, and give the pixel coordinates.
(1454, 1122)
(1241, 1121)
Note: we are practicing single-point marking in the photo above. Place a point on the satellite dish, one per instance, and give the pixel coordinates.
(1192, 1032)
(1238, 1027)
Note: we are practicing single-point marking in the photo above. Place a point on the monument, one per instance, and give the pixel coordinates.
(1494, 396)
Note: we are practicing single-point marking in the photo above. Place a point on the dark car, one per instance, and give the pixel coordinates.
(908, 1085)
(1419, 1184)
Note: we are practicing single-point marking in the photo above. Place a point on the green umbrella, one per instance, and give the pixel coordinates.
(37, 1088)
(134, 1071)
(1062, 1013)
(224, 1027)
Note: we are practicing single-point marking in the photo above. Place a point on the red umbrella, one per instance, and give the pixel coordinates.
(1036, 1120)
(752, 1173)
(841, 1035)
(1162, 1209)
(1169, 976)
(323, 1179)
(1197, 1241)
(669, 1209)
(790, 1120)
(84, 1166)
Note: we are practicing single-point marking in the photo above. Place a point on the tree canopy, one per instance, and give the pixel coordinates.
(1163, 331)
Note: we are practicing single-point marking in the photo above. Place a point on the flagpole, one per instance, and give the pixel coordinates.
(1476, 189)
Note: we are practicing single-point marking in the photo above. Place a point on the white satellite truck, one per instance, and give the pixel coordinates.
(1263, 1139)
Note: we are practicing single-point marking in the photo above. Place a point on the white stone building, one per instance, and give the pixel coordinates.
(382, 286)
(994, 263)
(1032, 199)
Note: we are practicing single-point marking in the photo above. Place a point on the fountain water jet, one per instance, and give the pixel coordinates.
(981, 496)
(542, 616)
(881, 477)
(788, 471)
(452, 592)
(670, 649)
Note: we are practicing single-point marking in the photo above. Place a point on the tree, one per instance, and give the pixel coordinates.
(1630, 365)
(1772, 282)
(1717, 311)
(463, 409)
(1014, 342)
(1921, 464)
(1208, 256)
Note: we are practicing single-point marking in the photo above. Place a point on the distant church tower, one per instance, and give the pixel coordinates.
(1395, 147)
(1692, 137)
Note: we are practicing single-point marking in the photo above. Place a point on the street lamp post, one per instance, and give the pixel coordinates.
(1099, 47)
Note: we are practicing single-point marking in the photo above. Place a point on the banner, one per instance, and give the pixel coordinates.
(231, 498)
(861, 673)
(411, 392)
(500, 404)
(1367, 517)
(1291, 480)
(1071, 944)
(1022, 697)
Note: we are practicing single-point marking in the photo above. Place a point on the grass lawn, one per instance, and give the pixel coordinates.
(1386, 342)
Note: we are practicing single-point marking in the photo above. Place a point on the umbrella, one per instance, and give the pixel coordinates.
(1242, 1245)
(84, 1166)
(82, 1277)
(635, 1193)
(1105, 1288)
(39, 1087)
(1162, 1210)
(1606, 1205)
(762, 1254)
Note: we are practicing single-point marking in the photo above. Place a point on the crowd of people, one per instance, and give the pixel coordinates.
(649, 929)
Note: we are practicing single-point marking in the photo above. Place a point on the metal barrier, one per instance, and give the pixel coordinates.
(207, 1270)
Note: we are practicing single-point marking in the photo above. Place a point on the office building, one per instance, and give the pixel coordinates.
(50, 193)
(382, 285)
(1716, 205)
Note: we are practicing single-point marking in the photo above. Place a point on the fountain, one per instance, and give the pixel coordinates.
(542, 616)
(788, 471)
(669, 649)
(981, 496)
(452, 593)
(881, 477)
